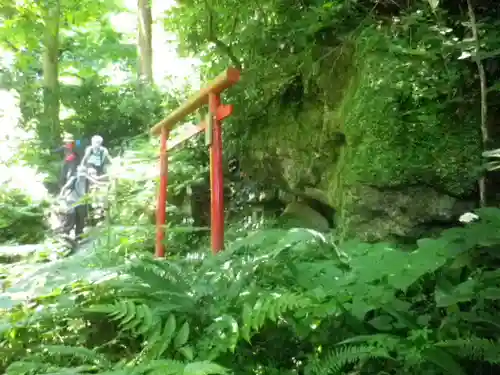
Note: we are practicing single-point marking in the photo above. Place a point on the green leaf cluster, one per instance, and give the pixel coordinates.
(278, 301)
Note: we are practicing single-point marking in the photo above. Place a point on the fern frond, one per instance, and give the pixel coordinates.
(70, 370)
(336, 360)
(167, 337)
(138, 319)
(474, 348)
(117, 372)
(25, 367)
(159, 367)
(219, 337)
(442, 359)
(169, 367)
(270, 307)
(161, 339)
(160, 274)
(204, 368)
(84, 354)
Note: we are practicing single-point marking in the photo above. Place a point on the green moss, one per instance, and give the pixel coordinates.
(290, 145)
(302, 143)
(401, 125)
(401, 112)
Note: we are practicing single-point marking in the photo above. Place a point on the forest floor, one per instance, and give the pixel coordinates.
(30, 271)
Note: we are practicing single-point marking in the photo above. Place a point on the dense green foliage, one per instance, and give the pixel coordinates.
(21, 219)
(393, 88)
(276, 302)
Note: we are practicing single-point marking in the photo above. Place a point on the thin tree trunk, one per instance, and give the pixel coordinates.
(49, 129)
(145, 39)
(484, 97)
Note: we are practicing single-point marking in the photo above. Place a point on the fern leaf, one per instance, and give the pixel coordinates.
(161, 345)
(133, 318)
(182, 336)
(336, 360)
(142, 323)
(270, 307)
(372, 339)
(71, 370)
(474, 348)
(159, 367)
(128, 311)
(187, 352)
(117, 372)
(442, 359)
(104, 309)
(83, 354)
(24, 367)
(204, 368)
(222, 335)
(148, 322)
(137, 319)
(153, 338)
(247, 322)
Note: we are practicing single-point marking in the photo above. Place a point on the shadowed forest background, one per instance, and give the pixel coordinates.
(355, 145)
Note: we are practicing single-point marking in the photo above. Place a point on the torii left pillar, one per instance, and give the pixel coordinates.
(161, 211)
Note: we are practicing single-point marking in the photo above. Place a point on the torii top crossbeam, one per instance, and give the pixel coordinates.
(222, 82)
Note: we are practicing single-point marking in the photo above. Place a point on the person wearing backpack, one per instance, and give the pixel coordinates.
(96, 155)
(72, 196)
(70, 159)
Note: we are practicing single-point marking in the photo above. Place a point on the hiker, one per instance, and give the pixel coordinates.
(70, 160)
(98, 190)
(71, 196)
(96, 155)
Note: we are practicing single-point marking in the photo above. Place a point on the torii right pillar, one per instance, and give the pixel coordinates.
(217, 113)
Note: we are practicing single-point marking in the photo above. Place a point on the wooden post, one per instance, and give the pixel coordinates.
(216, 177)
(161, 208)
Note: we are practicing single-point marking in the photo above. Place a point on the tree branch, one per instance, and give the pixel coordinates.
(219, 44)
(484, 95)
(10, 45)
(233, 29)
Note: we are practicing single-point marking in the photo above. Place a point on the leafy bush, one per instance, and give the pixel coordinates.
(21, 220)
(276, 302)
(115, 112)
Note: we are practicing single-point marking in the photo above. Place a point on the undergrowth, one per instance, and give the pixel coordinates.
(275, 302)
(17, 213)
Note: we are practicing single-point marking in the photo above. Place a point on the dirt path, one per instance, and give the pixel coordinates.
(24, 278)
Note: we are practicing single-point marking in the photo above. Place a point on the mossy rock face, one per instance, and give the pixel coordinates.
(293, 149)
(403, 147)
(301, 215)
(377, 214)
(317, 195)
(410, 148)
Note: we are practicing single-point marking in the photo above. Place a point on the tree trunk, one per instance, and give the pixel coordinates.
(145, 47)
(484, 98)
(49, 129)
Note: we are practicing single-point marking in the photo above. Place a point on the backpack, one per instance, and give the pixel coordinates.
(77, 189)
(96, 157)
(80, 146)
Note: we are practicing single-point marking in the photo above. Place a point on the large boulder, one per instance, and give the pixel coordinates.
(402, 214)
(396, 155)
(300, 214)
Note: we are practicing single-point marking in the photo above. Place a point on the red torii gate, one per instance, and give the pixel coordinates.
(210, 95)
